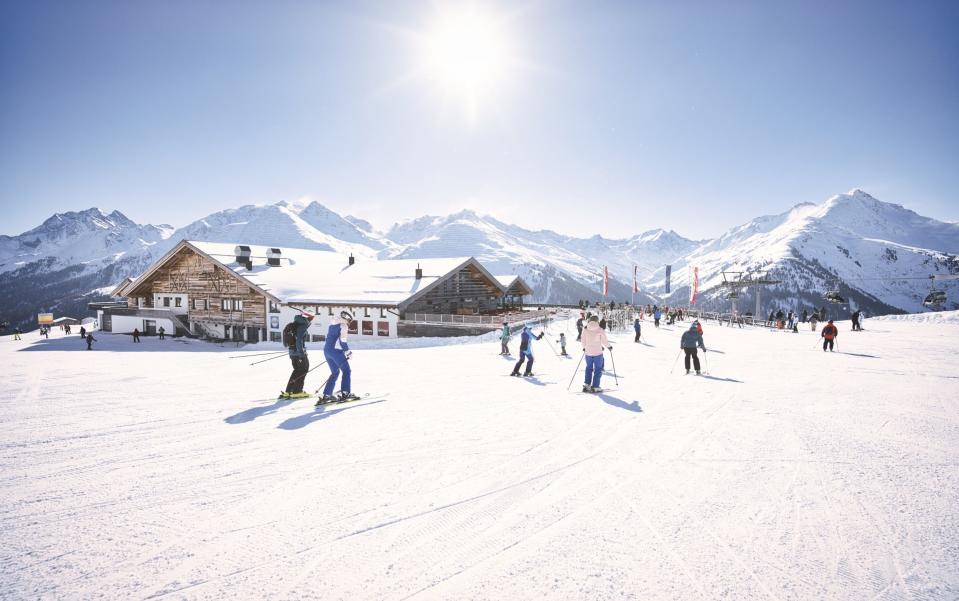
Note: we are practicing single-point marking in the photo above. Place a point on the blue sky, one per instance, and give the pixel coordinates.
(610, 118)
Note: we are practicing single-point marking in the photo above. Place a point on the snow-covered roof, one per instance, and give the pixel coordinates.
(323, 277)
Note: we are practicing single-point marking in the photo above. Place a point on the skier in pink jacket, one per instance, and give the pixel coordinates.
(594, 340)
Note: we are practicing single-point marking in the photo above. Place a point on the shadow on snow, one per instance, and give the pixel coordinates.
(302, 421)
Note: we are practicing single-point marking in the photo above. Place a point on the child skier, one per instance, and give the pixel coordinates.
(298, 356)
(594, 341)
(690, 340)
(526, 350)
(504, 339)
(562, 344)
(829, 334)
(638, 328)
(338, 359)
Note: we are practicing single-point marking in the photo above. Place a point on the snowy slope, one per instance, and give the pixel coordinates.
(876, 253)
(117, 482)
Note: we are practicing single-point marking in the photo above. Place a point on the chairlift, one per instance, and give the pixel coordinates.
(936, 298)
(834, 297)
(733, 295)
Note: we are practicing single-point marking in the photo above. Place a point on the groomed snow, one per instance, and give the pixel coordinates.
(168, 470)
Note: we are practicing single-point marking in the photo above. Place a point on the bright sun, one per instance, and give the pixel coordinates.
(468, 55)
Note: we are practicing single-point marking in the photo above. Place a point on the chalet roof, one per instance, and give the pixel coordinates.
(323, 277)
(515, 282)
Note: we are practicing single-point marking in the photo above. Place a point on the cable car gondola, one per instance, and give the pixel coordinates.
(936, 298)
(834, 297)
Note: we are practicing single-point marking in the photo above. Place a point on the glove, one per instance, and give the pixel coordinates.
(610, 348)
(704, 350)
(348, 355)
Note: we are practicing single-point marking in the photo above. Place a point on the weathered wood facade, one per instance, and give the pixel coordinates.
(466, 292)
(211, 299)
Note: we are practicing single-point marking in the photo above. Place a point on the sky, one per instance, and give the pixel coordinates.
(586, 118)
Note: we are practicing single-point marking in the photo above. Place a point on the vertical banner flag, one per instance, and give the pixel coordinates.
(635, 285)
(669, 270)
(605, 280)
(693, 285)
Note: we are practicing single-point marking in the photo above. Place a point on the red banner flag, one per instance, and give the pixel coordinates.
(605, 280)
(694, 286)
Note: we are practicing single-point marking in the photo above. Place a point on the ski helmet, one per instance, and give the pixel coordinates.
(346, 315)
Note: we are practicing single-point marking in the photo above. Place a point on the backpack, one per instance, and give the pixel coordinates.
(289, 335)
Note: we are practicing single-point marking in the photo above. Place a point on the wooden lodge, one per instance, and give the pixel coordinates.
(248, 293)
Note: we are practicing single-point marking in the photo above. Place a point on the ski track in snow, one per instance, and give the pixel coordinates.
(793, 474)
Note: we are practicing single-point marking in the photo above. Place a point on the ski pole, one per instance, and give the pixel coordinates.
(613, 361)
(706, 360)
(255, 355)
(265, 360)
(320, 365)
(576, 370)
(551, 347)
(675, 360)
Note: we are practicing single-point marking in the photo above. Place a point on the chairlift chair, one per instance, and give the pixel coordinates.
(834, 297)
(936, 298)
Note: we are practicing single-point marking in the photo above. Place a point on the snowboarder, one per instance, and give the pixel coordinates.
(294, 338)
(90, 340)
(855, 322)
(829, 334)
(692, 338)
(338, 359)
(16, 334)
(504, 339)
(638, 328)
(526, 350)
(594, 341)
(161, 331)
(579, 327)
(562, 344)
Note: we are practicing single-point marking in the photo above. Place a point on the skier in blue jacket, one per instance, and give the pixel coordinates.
(690, 340)
(526, 350)
(657, 315)
(338, 359)
(299, 359)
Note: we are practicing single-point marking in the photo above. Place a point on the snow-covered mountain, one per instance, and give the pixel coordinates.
(865, 248)
(560, 268)
(875, 254)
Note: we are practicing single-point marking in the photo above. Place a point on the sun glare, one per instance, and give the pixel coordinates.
(468, 56)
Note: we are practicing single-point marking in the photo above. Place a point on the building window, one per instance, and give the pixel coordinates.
(382, 328)
(231, 304)
(353, 327)
(331, 309)
(367, 328)
(317, 337)
(274, 307)
(382, 313)
(366, 311)
(166, 301)
(276, 337)
(178, 301)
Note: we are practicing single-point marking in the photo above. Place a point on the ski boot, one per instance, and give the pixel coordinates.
(687, 372)
(587, 388)
(528, 374)
(299, 395)
(515, 373)
(283, 395)
(348, 396)
(326, 398)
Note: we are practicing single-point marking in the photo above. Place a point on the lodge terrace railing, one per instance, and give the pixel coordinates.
(475, 320)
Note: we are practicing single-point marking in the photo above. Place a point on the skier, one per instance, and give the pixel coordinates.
(90, 340)
(855, 322)
(814, 321)
(16, 334)
(526, 350)
(161, 332)
(294, 338)
(83, 332)
(46, 332)
(579, 327)
(791, 319)
(339, 360)
(602, 324)
(136, 335)
(690, 340)
(657, 315)
(594, 341)
(504, 339)
(699, 327)
(638, 327)
(562, 344)
(829, 334)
